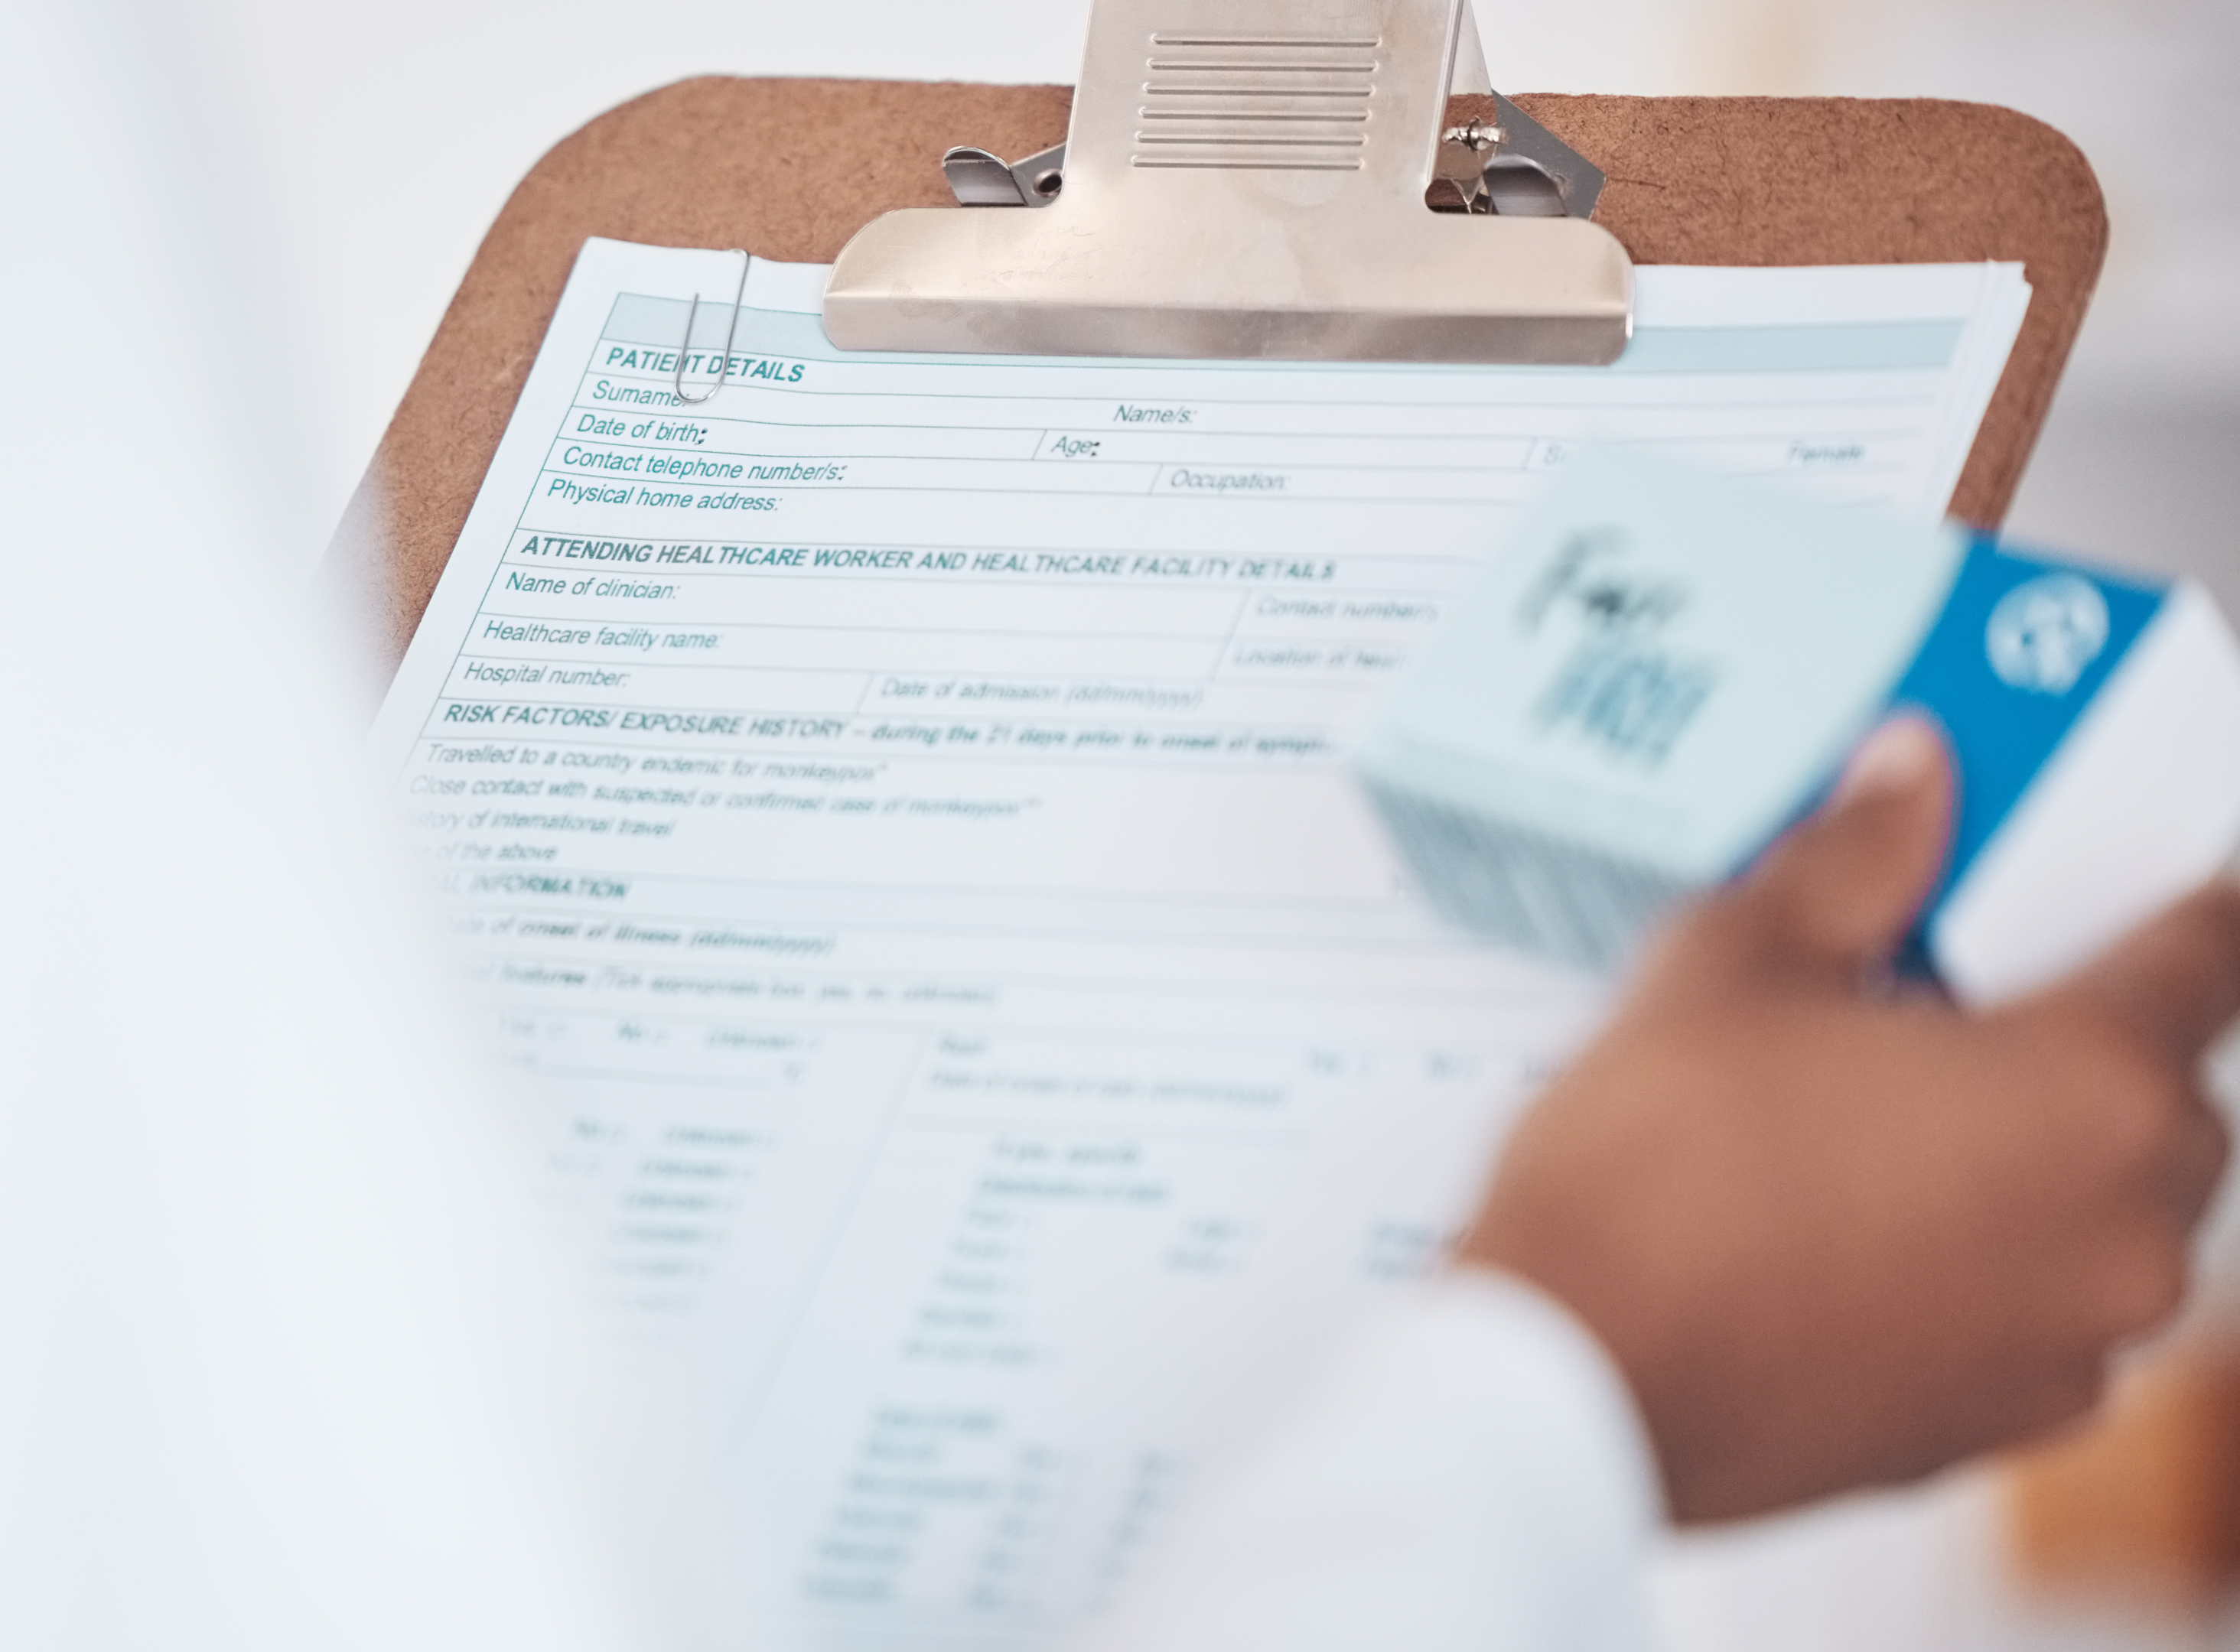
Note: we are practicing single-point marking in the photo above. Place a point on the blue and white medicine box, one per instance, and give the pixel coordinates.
(1662, 668)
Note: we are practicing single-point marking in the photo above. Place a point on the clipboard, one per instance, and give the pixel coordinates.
(792, 169)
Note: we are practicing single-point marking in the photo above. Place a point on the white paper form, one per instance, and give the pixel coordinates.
(896, 810)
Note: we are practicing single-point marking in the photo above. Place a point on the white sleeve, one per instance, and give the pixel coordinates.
(1469, 1476)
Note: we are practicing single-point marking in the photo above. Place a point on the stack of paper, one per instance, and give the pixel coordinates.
(980, 1038)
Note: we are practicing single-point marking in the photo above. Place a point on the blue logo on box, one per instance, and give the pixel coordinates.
(2045, 632)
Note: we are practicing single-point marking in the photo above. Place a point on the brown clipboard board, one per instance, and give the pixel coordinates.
(789, 168)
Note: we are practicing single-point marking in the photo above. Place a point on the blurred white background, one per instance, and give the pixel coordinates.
(358, 151)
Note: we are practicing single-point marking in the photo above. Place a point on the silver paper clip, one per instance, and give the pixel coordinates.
(738, 303)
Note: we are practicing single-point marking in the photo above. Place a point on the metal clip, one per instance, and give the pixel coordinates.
(1242, 178)
(738, 303)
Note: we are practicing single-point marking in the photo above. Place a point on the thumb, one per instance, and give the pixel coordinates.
(1842, 888)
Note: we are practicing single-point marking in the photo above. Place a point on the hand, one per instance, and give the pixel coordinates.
(1838, 1236)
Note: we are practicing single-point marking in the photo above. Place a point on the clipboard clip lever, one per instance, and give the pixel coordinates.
(1514, 168)
(979, 178)
(1517, 168)
(1241, 179)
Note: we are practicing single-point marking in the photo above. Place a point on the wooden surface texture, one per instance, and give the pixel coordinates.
(789, 168)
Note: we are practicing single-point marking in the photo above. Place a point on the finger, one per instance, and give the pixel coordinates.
(2175, 980)
(2196, 1165)
(1844, 886)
